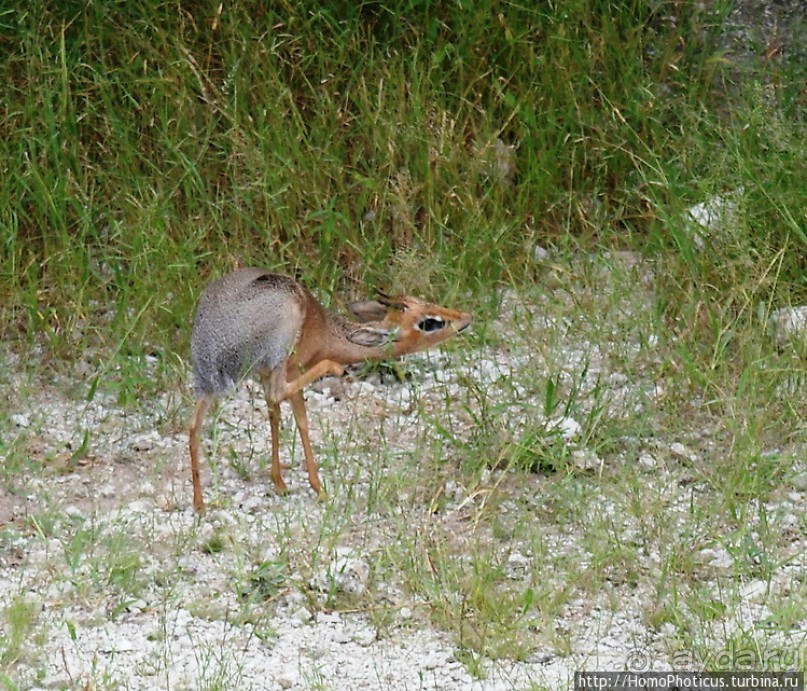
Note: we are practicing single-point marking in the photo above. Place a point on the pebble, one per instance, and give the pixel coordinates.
(585, 459)
(540, 254)
(755, 591)
(346, 572)
(20, 420)
(789, 325)
(568, 427)
(286, 681)
(647, 460)
(681, 451)
(718, 557)
(301, 615)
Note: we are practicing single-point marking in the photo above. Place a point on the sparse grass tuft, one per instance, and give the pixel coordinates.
(19, 622)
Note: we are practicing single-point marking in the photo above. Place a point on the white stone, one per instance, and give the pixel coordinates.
(347, 573)
(301, 615)
(681, 451)
(668, 630)
(756, 591)
(540, 254)
(586, 459)
(647, 460)
(789, 324)
(567, 427)
(286, 680)
(713, 217)
(20, 420)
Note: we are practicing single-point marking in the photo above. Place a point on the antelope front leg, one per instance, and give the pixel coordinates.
(301, 417)
(319, 370)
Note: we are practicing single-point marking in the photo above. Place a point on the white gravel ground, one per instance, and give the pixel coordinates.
(120, 509)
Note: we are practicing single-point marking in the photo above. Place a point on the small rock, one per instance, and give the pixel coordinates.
(285, 681)
(346, 572)
(518, 565)
(668, 630)
(567, 427)
(678, 450)
(789, 324)
(301, 616)
(20, 420)
(540, 254)
(647, 460)
(586, 459)
(754, 590)
(718, 556)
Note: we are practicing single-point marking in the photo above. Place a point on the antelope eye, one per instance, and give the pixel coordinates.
(430, 324)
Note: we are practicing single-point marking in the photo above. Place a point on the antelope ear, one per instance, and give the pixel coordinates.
(371, 337)
(367, 310)
(394, 303)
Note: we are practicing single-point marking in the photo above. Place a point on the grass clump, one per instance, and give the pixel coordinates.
(19, 624)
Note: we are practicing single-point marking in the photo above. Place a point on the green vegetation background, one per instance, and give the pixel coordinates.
(147, 147)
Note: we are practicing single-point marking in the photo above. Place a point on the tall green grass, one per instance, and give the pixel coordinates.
(148, 146)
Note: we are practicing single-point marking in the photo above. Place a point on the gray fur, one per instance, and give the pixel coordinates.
(246, 321)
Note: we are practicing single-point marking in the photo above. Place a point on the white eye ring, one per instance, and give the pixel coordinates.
(431, 323)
